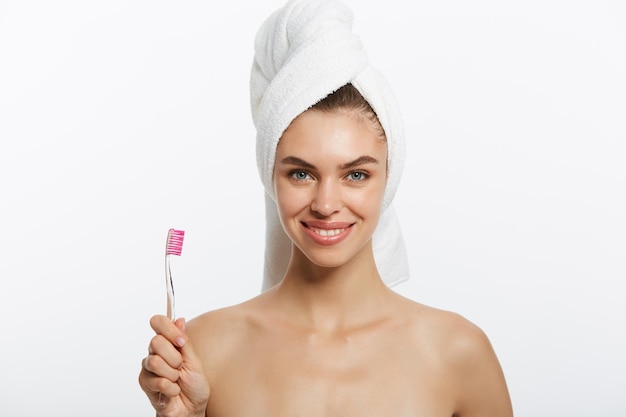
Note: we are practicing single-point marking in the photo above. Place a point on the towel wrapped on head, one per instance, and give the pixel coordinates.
(305, 51)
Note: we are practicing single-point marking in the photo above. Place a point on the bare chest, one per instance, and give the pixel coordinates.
(339, 377)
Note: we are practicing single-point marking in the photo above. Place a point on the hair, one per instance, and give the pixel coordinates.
(349, 98)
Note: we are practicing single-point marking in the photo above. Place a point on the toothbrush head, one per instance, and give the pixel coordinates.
(174, 245)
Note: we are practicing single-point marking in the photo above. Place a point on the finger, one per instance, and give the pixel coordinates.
(162, 347)
(165, 327)
(180, 323)
(156, 366)
(188, 354)
(153, 385)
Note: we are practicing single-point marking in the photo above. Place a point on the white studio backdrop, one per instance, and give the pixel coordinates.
(121, 119)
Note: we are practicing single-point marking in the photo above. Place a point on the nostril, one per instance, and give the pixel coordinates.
(327, 200)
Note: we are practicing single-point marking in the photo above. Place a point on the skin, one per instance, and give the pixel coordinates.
(331, 339)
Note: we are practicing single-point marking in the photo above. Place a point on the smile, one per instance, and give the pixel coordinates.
(327, 233)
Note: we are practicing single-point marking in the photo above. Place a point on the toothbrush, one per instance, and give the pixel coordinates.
(173, 246)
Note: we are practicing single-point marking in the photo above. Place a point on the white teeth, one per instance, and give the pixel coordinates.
(332, 232)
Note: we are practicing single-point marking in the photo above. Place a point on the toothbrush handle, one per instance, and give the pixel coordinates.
(171, 314)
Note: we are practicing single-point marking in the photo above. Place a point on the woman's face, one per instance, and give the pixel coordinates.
(329, 181)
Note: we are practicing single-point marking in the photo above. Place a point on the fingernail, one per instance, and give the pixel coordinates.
(180, 341)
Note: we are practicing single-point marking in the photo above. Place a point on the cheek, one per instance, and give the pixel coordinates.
(367, 202)
(289, 200)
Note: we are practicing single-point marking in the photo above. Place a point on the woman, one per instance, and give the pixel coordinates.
(330, 338)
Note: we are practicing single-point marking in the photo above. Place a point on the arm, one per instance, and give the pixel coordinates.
(479, 381)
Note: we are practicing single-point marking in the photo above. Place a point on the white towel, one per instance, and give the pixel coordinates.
(303, 52)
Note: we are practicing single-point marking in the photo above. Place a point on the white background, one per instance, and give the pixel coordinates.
(121, 119)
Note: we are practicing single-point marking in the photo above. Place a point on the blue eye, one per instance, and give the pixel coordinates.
(357, 176)
(299, 175)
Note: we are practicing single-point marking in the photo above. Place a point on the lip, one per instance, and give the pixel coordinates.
(327, 233)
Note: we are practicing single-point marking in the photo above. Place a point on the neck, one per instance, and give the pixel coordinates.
(330, 299)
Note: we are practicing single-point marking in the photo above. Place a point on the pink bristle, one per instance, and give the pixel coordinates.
(175, 242)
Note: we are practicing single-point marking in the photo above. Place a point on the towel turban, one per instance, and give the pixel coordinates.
(305, 51)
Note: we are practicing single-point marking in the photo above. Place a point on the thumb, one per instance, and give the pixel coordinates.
(192, 380)
(183, 344)
(180, 323)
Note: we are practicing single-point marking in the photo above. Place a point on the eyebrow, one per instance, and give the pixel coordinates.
(361, 160)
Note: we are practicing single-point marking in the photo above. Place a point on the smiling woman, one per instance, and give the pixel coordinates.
(328, 337)
(122, 118)
(329, 181)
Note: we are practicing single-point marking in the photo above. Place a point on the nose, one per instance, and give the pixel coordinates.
(327, 199)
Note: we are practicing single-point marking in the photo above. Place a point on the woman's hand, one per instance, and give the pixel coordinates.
(171, 375)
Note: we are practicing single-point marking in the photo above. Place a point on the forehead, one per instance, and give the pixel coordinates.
(339, 132)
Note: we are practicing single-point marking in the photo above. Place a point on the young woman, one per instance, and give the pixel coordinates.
(330, 338)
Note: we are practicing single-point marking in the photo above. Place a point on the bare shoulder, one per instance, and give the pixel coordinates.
(448, 331)
(216, 333)
(456, 337)
(466, 358)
